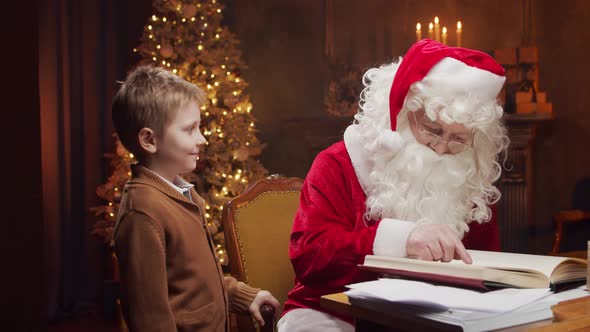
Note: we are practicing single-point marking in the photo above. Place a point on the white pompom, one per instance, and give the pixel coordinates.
(391, 140)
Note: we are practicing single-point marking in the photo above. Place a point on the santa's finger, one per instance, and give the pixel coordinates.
(436, 251)
(462, 254)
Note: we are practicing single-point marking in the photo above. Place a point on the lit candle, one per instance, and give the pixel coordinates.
(418, 31)
(436, 29)
(459, 33)
(444, 35)
(430, 27)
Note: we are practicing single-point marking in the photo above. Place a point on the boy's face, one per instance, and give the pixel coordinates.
(179, 144)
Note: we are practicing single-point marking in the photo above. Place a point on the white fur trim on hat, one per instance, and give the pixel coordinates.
(391, 140)
(456, 74)
(390, 239)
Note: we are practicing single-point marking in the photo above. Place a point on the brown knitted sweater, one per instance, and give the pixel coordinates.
(170, 278)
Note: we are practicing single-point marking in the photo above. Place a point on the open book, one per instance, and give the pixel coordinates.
(489, 270)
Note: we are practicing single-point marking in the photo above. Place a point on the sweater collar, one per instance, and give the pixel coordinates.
(142, 175)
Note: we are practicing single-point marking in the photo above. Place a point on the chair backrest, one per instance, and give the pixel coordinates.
(572, 227)
(581, 199)
(257, 226)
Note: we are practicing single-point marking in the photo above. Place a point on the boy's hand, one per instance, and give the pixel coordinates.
(263, 297)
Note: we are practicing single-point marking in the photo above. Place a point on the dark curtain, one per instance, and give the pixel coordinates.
(22, 244)
(85, 46)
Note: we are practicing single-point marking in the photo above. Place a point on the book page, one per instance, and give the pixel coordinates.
(514, 261)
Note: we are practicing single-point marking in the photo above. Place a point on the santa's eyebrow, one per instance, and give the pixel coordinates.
(463, 136)
(429, 122)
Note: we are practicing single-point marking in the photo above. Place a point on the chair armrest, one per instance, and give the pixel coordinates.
(268, 314)
(568, 216)
(562, 217)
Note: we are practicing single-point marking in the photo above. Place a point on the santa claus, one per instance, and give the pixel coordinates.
(414, 177)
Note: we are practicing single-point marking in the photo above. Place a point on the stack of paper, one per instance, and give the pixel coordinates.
(416, 292)
(470, 310)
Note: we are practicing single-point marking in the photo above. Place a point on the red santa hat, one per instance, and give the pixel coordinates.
(459, 68)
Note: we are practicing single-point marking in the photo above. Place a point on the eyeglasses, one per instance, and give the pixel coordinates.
(454, 147)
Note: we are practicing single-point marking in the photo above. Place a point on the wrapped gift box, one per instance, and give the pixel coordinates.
(528, 54)
(505, 56)
(523, 97)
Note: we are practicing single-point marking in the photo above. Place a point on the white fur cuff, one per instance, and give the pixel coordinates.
(391, 237)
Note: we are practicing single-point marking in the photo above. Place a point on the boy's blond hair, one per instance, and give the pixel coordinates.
(150, 98)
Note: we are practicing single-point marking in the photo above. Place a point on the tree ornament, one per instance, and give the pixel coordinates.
(166, 51)
(189, 11)
(242, 154)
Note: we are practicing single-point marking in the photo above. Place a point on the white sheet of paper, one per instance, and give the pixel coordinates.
(421, 293)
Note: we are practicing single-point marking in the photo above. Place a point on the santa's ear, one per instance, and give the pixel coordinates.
(147, 140)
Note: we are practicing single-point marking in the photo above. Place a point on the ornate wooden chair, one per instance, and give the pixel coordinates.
(575, 222)
(257, 226)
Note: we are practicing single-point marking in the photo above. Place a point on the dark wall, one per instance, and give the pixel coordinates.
(562, 155)
(283, 43)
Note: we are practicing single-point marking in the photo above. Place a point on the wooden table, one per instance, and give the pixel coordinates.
(573, 315)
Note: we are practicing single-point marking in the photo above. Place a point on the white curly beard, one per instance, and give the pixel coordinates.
(418, 185)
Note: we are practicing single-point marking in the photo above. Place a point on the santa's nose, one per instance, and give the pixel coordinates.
(440, 147)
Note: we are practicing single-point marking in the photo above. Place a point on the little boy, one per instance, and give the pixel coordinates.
(170, 278)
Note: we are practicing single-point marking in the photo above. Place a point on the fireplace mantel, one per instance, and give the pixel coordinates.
(515, 208)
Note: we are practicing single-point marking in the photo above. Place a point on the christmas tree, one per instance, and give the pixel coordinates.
(187, 38)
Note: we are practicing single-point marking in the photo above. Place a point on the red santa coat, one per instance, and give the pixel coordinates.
(330, 236)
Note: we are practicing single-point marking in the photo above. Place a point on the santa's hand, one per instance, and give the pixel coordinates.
(436, 243)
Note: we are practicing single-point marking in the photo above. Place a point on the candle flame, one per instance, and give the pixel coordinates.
(418, 27)
(436, 20)
(459, 25)
(444, 30)
(430, 25)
